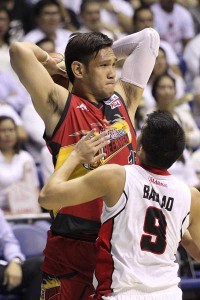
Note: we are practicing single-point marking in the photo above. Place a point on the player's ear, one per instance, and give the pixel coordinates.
(77, 69)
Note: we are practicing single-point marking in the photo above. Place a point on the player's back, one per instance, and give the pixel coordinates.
(139, 237)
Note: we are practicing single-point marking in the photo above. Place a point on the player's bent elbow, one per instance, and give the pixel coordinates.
(15, 50)
(44, 199)
(153, 39)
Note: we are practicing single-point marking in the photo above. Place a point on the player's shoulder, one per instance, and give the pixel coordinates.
(111, 171)
(111, 168)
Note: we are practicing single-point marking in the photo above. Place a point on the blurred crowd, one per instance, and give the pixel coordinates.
(173, 86)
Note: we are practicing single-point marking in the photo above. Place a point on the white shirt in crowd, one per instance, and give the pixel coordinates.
(62, 37)
(192, 58)
(12, 172)
(175, 26)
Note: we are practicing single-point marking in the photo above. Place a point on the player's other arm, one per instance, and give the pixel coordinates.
(194, 227)
(190, 246)
(27, 60)
(139, 51)
(106, 181)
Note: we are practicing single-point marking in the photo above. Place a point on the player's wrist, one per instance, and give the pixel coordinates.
(76, 157)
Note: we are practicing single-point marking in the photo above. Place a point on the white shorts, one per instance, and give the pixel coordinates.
(174, 293)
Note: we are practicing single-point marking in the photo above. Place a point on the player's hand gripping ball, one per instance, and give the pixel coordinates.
(58, 78)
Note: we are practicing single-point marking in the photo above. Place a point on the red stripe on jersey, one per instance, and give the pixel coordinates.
(105, 264)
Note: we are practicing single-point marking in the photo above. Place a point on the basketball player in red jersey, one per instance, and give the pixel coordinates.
(97, 102)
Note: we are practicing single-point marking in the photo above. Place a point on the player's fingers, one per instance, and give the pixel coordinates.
(98, 137)
(101, 142)
(89, 135)
(98, 157)
(61, 72)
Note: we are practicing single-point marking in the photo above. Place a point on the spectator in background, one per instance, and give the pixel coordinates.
(70, 20)
(5, 40)
(196, 162)
(195, 12)
(118, 14)
(73, 5)
(47, 45)
(196, 101)
(47, 167)
(162, 67)
(91, 20)
(11, 89)
(13, 162)
(7, 110)
(192, 58)
(48, 19)
(184, 169)
(18, 276)
(34, 127)
(174, 23)
(164, 91)
(12, 92)
(143, 18)
(21, 17)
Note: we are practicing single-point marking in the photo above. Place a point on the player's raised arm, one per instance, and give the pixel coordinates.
(139, 51)
(28, 62)
(106, 181)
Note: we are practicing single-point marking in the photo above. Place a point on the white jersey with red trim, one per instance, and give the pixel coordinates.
(138, 241)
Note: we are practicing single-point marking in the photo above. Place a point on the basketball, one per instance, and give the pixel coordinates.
(58, 57)
(61, 80)
(57, 78)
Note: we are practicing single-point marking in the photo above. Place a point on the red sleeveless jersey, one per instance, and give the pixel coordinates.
(82, 222)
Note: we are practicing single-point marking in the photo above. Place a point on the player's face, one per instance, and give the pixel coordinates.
(101, 74)
(8, 135)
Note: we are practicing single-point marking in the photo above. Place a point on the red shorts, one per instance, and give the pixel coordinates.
(54, 288)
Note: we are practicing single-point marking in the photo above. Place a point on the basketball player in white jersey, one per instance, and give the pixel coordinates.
(146, 211)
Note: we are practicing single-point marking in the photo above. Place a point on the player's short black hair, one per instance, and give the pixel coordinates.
(163, 139)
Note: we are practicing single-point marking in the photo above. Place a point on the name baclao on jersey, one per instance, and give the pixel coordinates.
(79, 117)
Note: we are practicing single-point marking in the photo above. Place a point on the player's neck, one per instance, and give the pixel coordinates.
(83, 93)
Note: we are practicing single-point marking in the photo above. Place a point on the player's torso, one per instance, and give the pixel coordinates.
(79, 117)
(142, 233)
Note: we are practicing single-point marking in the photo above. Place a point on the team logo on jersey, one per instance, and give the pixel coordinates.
(113, 102)
(120, 137)
(82, 106)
